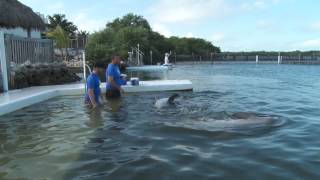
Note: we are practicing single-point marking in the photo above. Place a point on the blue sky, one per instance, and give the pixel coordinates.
(234, 25)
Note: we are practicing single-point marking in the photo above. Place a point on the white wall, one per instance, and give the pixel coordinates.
(21, 32)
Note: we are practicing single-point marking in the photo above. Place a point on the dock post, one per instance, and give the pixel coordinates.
(138, 54)
(3, 60)
(279, 58)
(257, 58)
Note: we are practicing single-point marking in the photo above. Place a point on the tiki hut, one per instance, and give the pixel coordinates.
(15, 15)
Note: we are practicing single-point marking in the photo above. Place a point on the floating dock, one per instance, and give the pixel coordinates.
(17, 99)
(149, 68)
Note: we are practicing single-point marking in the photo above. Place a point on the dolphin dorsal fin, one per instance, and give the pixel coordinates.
(172, 98)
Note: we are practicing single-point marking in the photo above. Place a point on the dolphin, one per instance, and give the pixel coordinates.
(160, 103)
(244, 119)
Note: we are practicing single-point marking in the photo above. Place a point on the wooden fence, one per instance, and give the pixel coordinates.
(19, 50)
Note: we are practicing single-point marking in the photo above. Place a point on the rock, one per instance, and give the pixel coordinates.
(41, 74)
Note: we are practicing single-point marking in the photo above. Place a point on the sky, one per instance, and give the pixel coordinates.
(233, 25)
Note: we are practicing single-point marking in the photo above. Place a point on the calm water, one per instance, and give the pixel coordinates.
(131, 139)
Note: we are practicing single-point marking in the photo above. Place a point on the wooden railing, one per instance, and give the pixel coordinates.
(19, 50)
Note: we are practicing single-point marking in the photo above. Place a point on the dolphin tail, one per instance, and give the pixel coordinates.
(172, 98)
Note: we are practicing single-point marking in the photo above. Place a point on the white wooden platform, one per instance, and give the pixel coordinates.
(149, 68)
(17, 99)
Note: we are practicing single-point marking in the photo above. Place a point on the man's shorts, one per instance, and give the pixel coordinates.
(112, 93)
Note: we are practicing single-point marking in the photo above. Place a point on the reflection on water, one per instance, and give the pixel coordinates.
(95, 118)
(114, 105)
(239, 118)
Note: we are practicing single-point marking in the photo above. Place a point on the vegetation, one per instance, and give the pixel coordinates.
(60, 20)
(194, 45)
(82, 34)
(122, 34)
(61, 39)
(276, 53)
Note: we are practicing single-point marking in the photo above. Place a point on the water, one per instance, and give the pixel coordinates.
(131, 139)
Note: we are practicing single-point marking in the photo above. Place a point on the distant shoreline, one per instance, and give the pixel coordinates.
(312, 62)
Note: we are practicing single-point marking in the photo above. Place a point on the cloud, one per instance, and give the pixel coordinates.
(162, 29)
(258, 4)
(187, 11)
(84, 22)
(189, 35)
(269, 25)
(253, 5)
(315, 26)
(312, 43)
(46, 6)
(217, 37)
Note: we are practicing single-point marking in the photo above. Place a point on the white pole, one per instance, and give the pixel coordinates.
(3, 60)
(279, 58)
(299, 58)
(138, 55)
(84, 69)
(257, 58)
(151, 57)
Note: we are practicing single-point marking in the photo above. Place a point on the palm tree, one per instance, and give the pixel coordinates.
(60, 20)
(82, 33)
(82, 37)
(61, 39)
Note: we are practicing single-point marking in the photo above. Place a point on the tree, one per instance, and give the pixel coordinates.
(122, 34)
(101, 46)
(81, 39)
(82, 33)
(130, 20)
(60, 20)
(61, 39)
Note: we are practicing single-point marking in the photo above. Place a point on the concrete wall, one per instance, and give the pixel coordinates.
(21, 32)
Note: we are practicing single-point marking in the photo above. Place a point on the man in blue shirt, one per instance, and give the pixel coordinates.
(93, 92)
(113, 78)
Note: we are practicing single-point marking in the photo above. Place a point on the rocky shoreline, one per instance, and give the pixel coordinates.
(40, 74)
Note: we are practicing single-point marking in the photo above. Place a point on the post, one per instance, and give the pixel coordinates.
(84, 69)
(138, 54)
(279, 58)
(4, 69)
(257, 58)
(151, 57)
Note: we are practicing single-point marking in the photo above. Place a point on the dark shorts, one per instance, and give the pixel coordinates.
(112, 93)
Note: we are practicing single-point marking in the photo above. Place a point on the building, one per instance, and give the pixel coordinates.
(20, 38)
(19, 20)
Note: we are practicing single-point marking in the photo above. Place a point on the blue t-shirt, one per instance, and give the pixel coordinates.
(93, 82)
(114, 71)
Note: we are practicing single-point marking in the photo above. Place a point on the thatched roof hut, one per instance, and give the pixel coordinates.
(15, 14)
